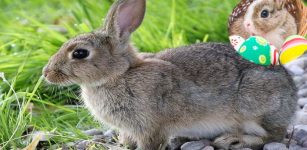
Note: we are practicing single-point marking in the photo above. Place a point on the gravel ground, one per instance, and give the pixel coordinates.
(108, 140)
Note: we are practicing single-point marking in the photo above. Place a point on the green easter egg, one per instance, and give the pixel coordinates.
(257, 50)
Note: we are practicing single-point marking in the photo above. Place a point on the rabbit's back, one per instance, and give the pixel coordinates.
(254, 90)
(215, 64)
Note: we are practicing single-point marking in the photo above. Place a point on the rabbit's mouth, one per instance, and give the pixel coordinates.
(56, 77)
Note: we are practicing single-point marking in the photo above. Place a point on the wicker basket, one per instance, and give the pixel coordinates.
(295, 7)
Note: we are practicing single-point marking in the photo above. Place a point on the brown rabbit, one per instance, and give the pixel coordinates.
(267, 18)
(203, 90)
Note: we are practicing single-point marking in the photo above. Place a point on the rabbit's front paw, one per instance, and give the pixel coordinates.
(228, 141)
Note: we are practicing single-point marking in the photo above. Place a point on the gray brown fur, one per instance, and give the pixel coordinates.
(201, 90)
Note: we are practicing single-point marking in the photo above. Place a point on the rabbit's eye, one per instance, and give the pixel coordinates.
(265, 13)
(301, 106)
(80, 54)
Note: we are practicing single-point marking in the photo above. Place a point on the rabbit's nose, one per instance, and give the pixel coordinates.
(247, 25)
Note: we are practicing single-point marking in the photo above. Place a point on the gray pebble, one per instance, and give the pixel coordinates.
(70, 144)
(304, 77)
(110, 133)
(294, 147)
(82, 145)
(176, 142)
(304, 86)
(300, 127)
(275, 146)
(300, 136)
(296, 70)
(43, 136)
(302, 93)
(93, 132)
(301, 61)
(208, 148)
(109, 136)
(302, 101)
(55, 146)
(99, 138)
(64, 147)
(298, 80)
(195, 145)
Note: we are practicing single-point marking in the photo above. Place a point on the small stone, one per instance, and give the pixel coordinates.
(82, 145)
(302, 101)
(110, 136)
(300, 62)
(275, 146)
(64, 147)
(70, 144)
(195, 145)
(110, 133)
(99, 138)
(304, 77)
(206, 142)
(42, 136)
(302, 93)
(93, 132)
(208, 148)
(300, 136)
(296, 70)
(300, 127)
(304, 86)
(294, 147)
(298, 80)
(176, 142)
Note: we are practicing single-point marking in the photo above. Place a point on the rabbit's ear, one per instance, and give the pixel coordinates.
(124, 17)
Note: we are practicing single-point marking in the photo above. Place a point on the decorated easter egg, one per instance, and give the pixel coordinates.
(236, 41)
(274, 55)
(258, 50)
(294, 47)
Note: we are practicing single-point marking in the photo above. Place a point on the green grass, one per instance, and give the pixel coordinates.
(31, 31)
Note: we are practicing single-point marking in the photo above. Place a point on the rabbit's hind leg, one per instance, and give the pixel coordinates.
(226, 141)
(276, 126)
(250, 135)
(254, 134)
(235, 142)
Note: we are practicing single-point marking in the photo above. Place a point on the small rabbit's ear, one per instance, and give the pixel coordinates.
(280, 4)
(124, 17)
